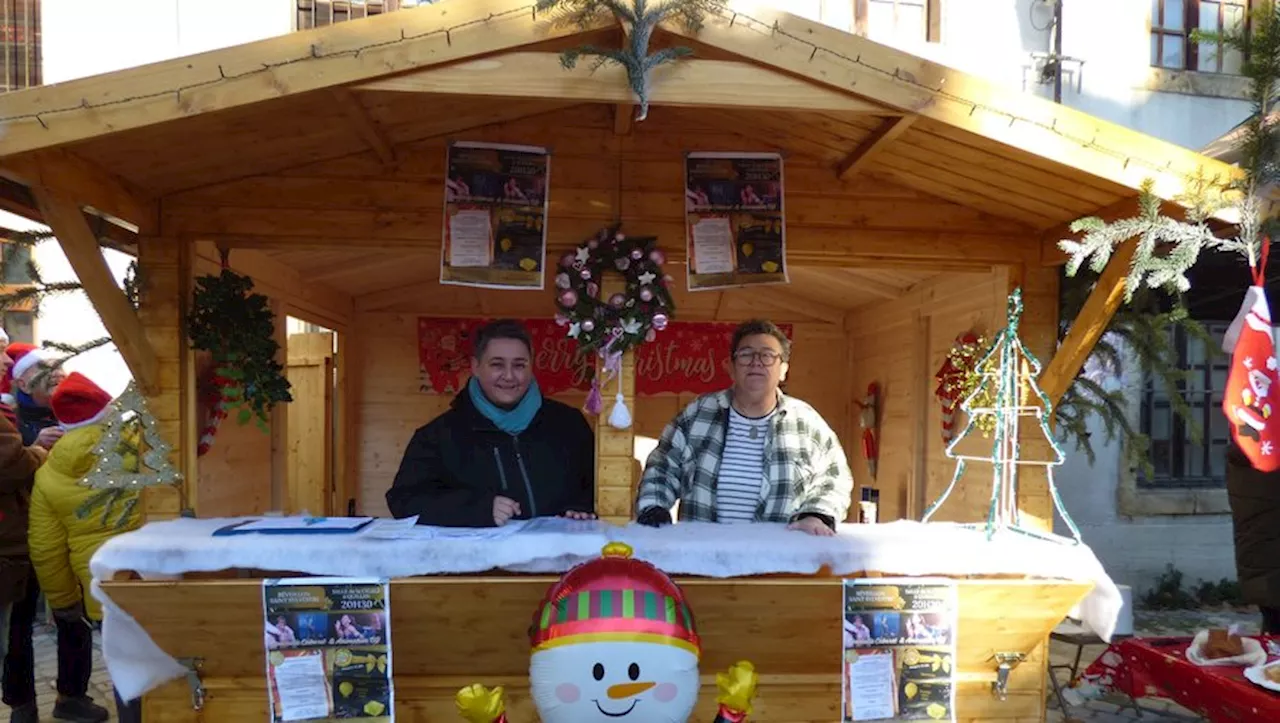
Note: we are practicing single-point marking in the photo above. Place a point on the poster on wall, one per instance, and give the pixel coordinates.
(689, 357)
(328, 647)
(734, 220)
(495, 212)
(899, 650)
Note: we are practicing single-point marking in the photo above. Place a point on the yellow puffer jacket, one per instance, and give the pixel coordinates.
(61, 543)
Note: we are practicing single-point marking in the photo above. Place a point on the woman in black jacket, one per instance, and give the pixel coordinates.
(501, 451)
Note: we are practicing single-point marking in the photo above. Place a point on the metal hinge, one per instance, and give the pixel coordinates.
(1005, 662)
(193, 680)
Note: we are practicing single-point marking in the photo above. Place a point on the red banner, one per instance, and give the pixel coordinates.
(686, 356)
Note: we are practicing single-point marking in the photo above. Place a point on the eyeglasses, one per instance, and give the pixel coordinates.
(747, 357)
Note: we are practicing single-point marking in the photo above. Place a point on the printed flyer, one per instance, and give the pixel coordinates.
(899, 648)
(495, 216)
(328, 647)
(734, 220)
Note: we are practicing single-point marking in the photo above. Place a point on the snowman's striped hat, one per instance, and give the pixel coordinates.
(614, 599)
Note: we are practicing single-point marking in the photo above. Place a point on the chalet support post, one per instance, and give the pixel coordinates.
(80, 244)
(615, 448)
(70, 176)
(1088, 327)
(164, 268)
(280, 418)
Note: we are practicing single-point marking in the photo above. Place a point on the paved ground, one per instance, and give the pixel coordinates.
(1147, 624)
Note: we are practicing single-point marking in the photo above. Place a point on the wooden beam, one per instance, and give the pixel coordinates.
(624, 115)
(686, 83)
(1088, 327)
(881, 74)
(290, 64)
(71, 177)
(359, 120)
(873, 144)
(870, 285)
(317, 302)
(80, 245)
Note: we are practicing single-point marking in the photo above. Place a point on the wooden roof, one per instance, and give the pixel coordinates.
(124, 143)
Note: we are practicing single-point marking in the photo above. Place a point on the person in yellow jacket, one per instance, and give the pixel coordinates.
(65, 527)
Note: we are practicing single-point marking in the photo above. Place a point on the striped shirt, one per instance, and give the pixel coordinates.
(739, 483)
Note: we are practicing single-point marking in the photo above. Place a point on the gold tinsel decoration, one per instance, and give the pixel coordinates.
(111, 471)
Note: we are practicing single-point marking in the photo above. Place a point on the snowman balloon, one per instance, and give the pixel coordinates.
(614, 642)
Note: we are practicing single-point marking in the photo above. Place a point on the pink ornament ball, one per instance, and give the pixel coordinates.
(657, 257)
(623, 263)
(569, 298)
(646, 294)
(562, 281)
(561, 320)
(619, 236)
(593, 289)
(567, 260)
(593, 244)
(650, 335)
(585, 274)
(637, 254)
(617, 300)
(659, 321)
(588, 325)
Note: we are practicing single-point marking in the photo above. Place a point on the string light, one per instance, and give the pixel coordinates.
(732, 16)
(109, 472)
(1003, 365)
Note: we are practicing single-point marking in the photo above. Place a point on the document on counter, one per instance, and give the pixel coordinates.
(563, 525)
(409, 529)
(297, 525)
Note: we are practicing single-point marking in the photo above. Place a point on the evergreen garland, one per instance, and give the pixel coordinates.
(642, 18)
(237, 327)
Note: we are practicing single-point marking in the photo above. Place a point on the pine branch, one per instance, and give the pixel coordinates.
(74, 350)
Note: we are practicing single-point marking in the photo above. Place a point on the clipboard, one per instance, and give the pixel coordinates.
(295, 526)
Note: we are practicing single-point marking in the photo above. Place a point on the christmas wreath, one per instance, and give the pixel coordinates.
(237, 328)
(625, 320)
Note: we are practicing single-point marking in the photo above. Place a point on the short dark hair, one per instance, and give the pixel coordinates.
(760, 326)
(499, 329)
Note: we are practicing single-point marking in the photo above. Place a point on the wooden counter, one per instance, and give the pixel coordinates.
(447, 632)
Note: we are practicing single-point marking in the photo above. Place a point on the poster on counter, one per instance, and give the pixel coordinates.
(899, 650)
(495, 212)
(688, 357)
(328, 648)
(734, 220)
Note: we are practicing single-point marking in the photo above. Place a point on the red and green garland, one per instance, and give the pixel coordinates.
(625, 320)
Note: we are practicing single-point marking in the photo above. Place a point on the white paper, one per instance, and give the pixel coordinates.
(470, 238)
(388, 529)
(713, 245)
(871, 685)
(563, 525)
(303, 687)
(301, 524)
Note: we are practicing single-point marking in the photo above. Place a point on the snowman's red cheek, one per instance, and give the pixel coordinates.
(568, 693)
(665, 692)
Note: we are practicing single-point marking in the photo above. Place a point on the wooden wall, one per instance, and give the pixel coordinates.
(391, 407)
(901, 344)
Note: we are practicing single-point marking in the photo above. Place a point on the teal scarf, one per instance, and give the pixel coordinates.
(511, 421)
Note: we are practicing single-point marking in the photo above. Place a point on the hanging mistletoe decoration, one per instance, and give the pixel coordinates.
(641, 17)
(611, 327)
(237, 328)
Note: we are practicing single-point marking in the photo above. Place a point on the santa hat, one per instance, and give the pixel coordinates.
(78, 402)
(24, 356)
(614, 598)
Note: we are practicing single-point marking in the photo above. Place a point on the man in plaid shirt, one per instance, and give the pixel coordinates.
(749, 453)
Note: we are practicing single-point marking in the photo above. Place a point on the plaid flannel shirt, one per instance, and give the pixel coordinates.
(805, 468)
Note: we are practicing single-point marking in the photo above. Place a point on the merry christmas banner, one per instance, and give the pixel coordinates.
(687, 357)
(495, 215)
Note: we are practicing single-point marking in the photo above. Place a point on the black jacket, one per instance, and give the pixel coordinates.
(456, 464)
(32, 420)
(1255, 514)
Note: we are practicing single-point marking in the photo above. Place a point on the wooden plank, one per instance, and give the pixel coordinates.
(74, 178)
(799, 304)
(341, 54)
(879, 139)
(690, 82)
(799, 683)
(1067, 136)
(624, 115)
(310, 425)
(1088, 327)
(80, 244)
(363, 125)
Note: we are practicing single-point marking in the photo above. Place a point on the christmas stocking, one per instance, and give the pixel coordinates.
(1248, 401)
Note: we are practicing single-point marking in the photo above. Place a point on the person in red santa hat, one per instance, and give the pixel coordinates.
(62, 542)
(32, 376)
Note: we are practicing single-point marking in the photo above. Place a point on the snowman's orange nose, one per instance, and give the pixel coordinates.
(627, 690)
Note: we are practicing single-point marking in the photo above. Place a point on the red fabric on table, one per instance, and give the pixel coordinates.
(1158, 668)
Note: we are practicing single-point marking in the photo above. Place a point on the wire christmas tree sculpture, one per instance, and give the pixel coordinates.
(1008, 366)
